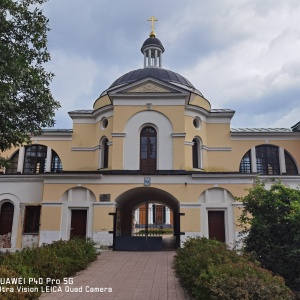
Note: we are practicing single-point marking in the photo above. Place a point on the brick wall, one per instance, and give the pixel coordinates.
(5, 241)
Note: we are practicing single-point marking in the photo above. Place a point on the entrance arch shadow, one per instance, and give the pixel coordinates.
(135, 227)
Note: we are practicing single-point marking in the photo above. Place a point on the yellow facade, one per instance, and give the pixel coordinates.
(148, 142)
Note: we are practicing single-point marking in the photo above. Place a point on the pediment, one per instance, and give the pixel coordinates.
(149, 87)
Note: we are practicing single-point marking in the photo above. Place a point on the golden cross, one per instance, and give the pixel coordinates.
(152, 19)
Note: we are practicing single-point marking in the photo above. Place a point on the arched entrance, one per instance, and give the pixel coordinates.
(146, 219)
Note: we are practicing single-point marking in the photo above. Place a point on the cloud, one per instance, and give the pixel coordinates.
(241, 55)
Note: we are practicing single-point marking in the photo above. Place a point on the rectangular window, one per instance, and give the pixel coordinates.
(32, 219)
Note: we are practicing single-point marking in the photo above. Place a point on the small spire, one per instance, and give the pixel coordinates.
(152, 33)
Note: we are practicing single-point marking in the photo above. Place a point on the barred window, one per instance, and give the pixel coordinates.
(267, 160)
(35, 159)
(245, 166)
(291, 168)
(13, 168)
(56, 165)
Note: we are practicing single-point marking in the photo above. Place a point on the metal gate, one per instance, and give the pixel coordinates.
(148, 227)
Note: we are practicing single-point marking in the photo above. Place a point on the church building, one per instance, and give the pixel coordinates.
(150, 164)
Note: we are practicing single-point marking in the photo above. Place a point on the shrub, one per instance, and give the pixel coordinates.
(57, 260)
(208, 269)
(273, 231)
(5, 272)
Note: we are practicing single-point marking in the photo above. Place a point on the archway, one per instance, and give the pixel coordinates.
(146, 219)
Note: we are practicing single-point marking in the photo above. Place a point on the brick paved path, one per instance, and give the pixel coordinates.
(130, 275)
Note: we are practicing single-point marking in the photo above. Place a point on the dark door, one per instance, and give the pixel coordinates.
(216, 226)
(6, 218)
(148, 150)
(78, 223)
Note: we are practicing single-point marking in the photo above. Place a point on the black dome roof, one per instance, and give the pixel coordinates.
(156, 73)
(153, 41)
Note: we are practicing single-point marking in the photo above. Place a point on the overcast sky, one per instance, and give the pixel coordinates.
(241, 54)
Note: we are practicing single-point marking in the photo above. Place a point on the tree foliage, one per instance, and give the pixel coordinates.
(26, 102)
(274, 232)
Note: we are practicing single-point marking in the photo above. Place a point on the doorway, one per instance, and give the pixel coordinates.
(78, 223)
(146, 219)
(216, 225)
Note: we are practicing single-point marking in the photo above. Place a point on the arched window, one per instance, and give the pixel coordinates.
(6, 218)
(13, 168)
(56, 165)
(35, 161)
(291, 168)
(196, 153)
(245, 166)
(268, 160)
(148, 150)
(104, 153)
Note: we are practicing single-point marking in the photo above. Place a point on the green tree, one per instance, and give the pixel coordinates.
(274, 232)
(26, 102)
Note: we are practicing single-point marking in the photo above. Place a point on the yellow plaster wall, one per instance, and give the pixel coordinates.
(83, 135)
(105, 132)
(199, 101)
(178, 153)
(51, 218)
(189, 193)
(237, 190)
(191, 221)
(218, 135)
(192, 132)
(188, 155)
(218, 161)
(116, 156)
(237, 212)
(101, 102)
(102, 220)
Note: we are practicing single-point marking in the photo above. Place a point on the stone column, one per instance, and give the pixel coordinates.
(48, 160)
(21, 160)
(168, 215)
(253, 160)
(282, 161)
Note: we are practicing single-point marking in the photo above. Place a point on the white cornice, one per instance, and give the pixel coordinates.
(216, 148)
(118, 134)
(188, 143)
(21, 178)
(54, 135)
(90, 116)
(210, 117)
(85, 148)
(178, 134)
(283, 136)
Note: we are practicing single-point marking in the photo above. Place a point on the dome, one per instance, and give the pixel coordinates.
(152, 41)
(155, 73)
